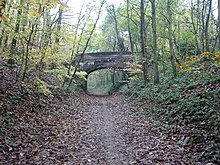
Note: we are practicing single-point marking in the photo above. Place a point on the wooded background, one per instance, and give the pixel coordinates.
(39, 36)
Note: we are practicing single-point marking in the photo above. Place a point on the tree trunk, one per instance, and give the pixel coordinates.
(171, 42)
(218, 25)
(120, 42)
(155, 56)
(207, 27)
(163, 59)
(203, 26)
(17, 27)
(195, 28)
(2, 8)
(143, 44)
(27, 52)
(1, 38)
(6, 38)
(59, 21)
(129, 28)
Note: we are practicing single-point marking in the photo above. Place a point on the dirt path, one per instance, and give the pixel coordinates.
(115, 135)
(91, 131)
(102, 140)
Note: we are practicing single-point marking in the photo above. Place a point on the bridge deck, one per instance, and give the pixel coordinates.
(94, 61)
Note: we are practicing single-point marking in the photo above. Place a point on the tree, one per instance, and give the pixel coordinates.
(27, 50)
(59, 21)
(207, 26)
(143, 42)
(2, 11)
(129, 27)
(195, 24)
(171, 39)
(155, 57)
(119, 39)
(219, 24)
(17, 27)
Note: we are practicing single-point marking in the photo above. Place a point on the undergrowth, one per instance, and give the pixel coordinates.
(188, 108)
(26, 97)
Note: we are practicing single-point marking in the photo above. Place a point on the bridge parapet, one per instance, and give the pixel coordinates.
(95, 61)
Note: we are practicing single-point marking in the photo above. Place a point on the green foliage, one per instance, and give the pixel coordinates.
(62, 73)
(40, 87)
(81, 74)
(187, 105)
(73, 89)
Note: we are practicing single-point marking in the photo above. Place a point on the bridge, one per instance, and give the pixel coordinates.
(91, 62)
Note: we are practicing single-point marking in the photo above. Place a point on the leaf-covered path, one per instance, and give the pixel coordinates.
(92, 131)
(115, 135)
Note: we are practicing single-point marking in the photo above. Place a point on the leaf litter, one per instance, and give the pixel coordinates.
(88, 130)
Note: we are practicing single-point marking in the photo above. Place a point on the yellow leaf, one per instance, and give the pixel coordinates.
(217, 56)
(177, 64)
(4, 18)
(206, 54)
(32, 13)
(185, 67)
(2, 10)
(44, 2)
(37, 14)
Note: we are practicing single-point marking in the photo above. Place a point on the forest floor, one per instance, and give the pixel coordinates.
(87, 130)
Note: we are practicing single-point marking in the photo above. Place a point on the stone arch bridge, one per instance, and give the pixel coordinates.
(103, 60)
(91, 62)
